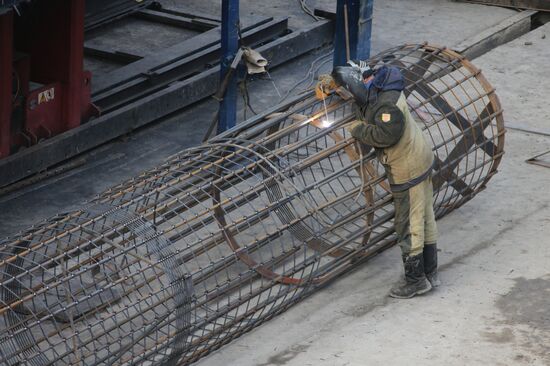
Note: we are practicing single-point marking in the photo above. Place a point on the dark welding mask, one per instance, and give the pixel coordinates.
(351, 78)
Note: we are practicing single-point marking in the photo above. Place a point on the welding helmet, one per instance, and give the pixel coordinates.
(351, 78)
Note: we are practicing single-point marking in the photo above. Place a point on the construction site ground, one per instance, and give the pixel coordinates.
(493, 305)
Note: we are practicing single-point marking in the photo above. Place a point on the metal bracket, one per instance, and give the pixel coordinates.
(536, 161)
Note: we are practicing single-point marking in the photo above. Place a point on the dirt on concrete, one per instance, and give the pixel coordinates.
(526, 317)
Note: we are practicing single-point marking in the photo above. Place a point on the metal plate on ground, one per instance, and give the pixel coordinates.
(100, 12)
(539, 160)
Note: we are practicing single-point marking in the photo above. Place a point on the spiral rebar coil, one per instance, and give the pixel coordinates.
(166, 267)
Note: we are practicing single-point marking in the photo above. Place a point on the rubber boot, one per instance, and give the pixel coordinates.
(430, 264)
(415, 280)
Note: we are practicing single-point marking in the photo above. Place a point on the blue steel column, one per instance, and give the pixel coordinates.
(359, 30)
(365, 29)
(229, 48)
(339, 57)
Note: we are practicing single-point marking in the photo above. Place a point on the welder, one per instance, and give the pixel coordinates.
(385, 123)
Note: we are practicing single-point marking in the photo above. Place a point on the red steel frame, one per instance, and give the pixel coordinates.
(55, 42)
(52, 34)
(6, 60)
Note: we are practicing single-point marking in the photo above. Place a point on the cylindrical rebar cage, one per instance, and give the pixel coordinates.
(180, 260)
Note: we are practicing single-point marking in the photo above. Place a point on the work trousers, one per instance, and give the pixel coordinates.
(414, 218)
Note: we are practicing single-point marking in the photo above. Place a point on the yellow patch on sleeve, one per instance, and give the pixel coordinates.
(386, 117)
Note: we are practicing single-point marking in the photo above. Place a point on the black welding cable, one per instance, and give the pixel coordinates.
(308, 10)
(315, 74)
(212, 127)
(306, 77)
(246, 97)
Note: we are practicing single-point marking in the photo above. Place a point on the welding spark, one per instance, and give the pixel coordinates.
(325, 123)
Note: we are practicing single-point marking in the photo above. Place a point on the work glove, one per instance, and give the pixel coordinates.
(354, 131)
(325, 86)
(361, 66)
(352, 127)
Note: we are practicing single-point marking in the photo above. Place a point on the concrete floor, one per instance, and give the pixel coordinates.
(493, 306)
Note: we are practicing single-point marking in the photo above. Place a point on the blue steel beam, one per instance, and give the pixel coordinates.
(364, 29)
(359, 16)
(229, 48)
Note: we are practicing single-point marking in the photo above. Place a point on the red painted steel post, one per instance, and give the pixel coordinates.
(53, 35)
(6, 60)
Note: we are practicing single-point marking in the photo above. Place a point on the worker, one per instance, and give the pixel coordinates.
(385, 123)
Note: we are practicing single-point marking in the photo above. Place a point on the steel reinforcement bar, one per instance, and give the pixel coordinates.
(168, 266)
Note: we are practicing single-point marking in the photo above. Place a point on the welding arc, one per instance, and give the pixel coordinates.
(170, 265)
